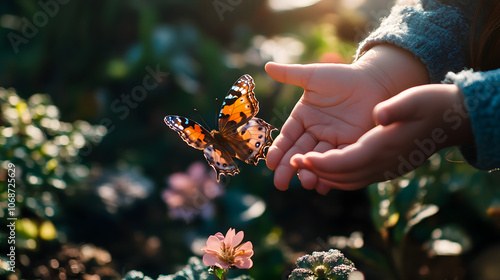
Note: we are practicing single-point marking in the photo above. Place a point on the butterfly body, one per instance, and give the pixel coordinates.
(241, 135)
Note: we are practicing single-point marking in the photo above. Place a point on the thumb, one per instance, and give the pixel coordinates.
(295, 74)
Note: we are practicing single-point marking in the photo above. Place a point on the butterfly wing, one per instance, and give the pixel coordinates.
(248, 136)
(190, 131)
(220, 161)
(250, 142)
(239, 106)
(199, 138)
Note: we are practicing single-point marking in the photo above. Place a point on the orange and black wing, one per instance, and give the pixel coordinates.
(199, 138)
(251, 140)
(239, 106)
(190, 131)
(220, 160)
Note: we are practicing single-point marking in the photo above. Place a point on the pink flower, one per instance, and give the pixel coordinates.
(190, 194)
(224, 252)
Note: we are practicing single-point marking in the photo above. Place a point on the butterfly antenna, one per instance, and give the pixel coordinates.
(199, 115)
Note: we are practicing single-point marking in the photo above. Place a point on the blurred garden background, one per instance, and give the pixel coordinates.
(103, 186)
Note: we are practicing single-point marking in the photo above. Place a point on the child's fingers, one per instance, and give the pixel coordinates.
(328, 178)
(308, 179)
(323, 189)
(336, 164)
(295, 74)
(402, 107)
(284, 172)
(321, 163)
(291, 131)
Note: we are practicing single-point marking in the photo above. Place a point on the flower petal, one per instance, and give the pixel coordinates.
(237, 239)
(180, 181)
(246, 246)
(196, 171)
(229, 237)
(210, 260)
(244, 263)
(213, 243)
(245, 250)
(219, 235)
(208, 250)
(213, 260)
(223, 265)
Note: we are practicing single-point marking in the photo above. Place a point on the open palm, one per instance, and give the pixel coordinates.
(334, 111)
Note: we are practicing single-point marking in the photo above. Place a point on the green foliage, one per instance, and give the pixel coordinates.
(219, 272)
(441, 207)
(331, 265)
(136, 275)
(44, 149)
(194, 270)
(42, 152)
(403, 204)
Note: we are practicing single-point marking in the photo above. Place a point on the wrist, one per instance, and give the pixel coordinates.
(456, 118)
(393, 68)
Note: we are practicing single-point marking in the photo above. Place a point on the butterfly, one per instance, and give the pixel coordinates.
(241, 135)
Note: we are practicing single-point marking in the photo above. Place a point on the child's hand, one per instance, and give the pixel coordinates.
(414, 125)
(335, 110)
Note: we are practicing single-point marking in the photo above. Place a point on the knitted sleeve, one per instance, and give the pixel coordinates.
(436, 32)
(482, 99)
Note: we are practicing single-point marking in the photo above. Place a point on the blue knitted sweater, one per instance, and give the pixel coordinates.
(438, 33)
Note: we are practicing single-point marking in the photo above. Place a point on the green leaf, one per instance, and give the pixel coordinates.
(419, 214)
(221, 273)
